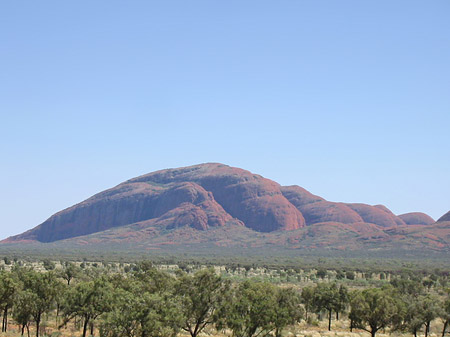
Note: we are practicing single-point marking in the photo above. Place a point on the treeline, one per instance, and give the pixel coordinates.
(375, 265)
(147, 302)
(403, 305)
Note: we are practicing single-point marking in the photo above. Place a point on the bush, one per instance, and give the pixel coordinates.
(350, 275)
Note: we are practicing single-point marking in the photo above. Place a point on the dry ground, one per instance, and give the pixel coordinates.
(339, 329)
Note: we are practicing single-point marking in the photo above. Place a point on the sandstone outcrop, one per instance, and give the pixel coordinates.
(213, 195)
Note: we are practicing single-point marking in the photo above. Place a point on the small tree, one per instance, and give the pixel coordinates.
(69, 272)
(307, 298)
(350, 275)
(9, 287)
(412, 321)
(88, 300)
(43, 286)
(48, 265)
(251, 311)
(430, 307)
(373, 309)
(445, 315)
(326, 298)
(142, 314)
(202, 296)
(322, 273)
(152, 279)
(288, 310)
(24, 310)
(343, 299)
(60, 297)
(340, 274)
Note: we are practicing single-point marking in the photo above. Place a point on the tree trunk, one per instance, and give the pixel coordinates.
(337, 315)
(373, 333)
(427, 329)
(252, 331)
(57, 314)
(92, 329)
(445, 328)
(85, 324)
(5, 318)
(23, 329)
(38, 321)
(28, 329)
(329, 320)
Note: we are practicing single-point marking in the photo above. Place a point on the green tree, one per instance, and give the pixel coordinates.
(322, 273)
(142, 314)
(350, 275)
(343, 299)
(202, 296)
(352, 314)
(340, 275)
(412, 321)
(87, 301)
(288, 310)
(327, 298)
(9, 287)
(373, 309)
(445, 315)
(152, 279)
(48, 265)
(408, 287)
(69, 272)
(307, 298)
(430, 307)
(43, 286)
(251, 311)
(60, 297)
(23, 311)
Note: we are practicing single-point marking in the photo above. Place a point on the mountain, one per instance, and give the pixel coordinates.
(227, 206)
(445, 217)
(416, 218)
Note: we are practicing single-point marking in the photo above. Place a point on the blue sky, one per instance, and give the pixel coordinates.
(349, 99)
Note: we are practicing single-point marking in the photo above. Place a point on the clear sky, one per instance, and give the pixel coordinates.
(349, 99)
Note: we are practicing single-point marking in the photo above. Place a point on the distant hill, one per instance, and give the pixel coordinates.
(228, 207)
(445, 217)
(417, 218)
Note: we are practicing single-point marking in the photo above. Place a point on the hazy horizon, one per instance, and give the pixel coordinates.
(348, 100)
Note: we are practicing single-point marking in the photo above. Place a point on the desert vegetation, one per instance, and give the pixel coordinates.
(61, 298)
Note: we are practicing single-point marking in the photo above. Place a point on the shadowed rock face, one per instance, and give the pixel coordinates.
(133, 202)
(445, 217)
(205, 196)
(416, 218)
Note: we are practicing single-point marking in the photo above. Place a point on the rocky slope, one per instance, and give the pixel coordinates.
(445, 217)
(195, 200)
(416, 218)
